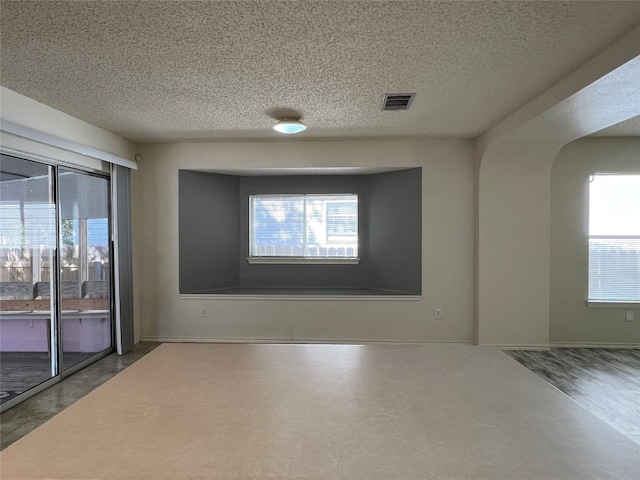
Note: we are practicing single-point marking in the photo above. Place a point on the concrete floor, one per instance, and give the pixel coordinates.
(325, 411)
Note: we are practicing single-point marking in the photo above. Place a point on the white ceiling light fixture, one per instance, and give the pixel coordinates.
(290, 126)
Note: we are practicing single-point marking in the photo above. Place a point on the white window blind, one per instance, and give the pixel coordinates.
(308, 226)
(27, 225)
(614, 238)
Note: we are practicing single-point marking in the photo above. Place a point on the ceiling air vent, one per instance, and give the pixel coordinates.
(397, 101)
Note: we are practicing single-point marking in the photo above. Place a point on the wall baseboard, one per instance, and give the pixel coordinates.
(568, 345)
(360, 341)
(593, 345)
(518, 346)
(294, 341)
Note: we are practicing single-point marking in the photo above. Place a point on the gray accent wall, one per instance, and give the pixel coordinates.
(208, 231)
(395, 235)
(214, 234)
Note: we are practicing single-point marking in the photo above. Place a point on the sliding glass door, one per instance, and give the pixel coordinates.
(85, 258)
(27, 249)
(55, 273)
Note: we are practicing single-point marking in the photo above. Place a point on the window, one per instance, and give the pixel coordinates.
(304, 226)
(614, 238)
(342, 221)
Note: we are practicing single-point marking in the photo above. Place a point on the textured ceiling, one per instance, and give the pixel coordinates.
(628, 128)
(159, 71)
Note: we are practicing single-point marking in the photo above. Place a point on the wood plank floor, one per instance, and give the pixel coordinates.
(604, 381)
(20, 371)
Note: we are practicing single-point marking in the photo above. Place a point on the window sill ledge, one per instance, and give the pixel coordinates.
(611, 304)
(301, 293)
(302, 261)
(303, 298)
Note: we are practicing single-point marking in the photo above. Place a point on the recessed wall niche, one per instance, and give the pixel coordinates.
(214, 235)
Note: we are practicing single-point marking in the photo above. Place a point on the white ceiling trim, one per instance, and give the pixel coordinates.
(64, 144)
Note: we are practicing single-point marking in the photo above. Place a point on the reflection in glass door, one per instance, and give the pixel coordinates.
(85, 266)
(55, 273)
(27, 251)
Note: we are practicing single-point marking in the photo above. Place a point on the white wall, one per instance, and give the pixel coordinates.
(513, 288)
(448, 216)
(514, 166)
(571, 321)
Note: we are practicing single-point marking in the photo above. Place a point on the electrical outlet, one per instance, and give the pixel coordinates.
(203, 312)
(437, 313)
(628, 315)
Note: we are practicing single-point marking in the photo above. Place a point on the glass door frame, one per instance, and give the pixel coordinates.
(59, 316)
(55, 339)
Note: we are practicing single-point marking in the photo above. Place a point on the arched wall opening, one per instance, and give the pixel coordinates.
(514, 163)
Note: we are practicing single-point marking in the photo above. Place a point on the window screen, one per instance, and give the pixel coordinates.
(614, 238)
(304, 226)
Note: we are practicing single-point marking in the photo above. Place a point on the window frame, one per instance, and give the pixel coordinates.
(334, 238)
(594, 302)
(300, 260)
